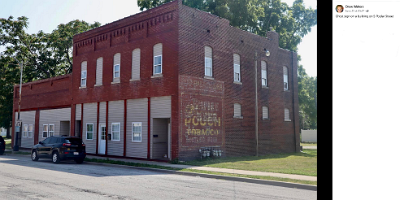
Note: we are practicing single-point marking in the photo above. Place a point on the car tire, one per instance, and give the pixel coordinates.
(55, 157)
(34, 155)
(1, 151)
(79, 161)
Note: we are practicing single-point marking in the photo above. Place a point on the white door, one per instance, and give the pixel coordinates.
(102, 138)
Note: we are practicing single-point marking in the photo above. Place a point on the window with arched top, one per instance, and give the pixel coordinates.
(287, 115)
(157, 61)
(136, 64)
(99, 71)
(236, 68)
(265, 112)
(264, 81)
(208, 61)
(83, 73)
(285, 78)
(117, 68)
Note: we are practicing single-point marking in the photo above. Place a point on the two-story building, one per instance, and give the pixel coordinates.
(166, 82)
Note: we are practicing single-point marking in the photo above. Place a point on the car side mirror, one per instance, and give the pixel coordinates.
(40, 142)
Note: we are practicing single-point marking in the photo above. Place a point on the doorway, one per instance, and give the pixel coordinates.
(102, 138)
(160, 139)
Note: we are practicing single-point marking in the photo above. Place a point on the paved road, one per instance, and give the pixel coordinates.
(21, 178)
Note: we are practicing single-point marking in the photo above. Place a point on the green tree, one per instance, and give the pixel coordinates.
(44, 55)
(307, 87)
(257, 16)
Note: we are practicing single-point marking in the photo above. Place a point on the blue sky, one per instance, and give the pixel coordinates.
(47, 14)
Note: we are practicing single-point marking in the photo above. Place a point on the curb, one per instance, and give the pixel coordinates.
(229, 178)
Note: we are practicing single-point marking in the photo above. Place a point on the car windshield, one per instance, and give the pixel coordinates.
(73, 140)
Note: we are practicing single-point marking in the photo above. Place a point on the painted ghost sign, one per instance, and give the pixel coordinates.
(201, 112)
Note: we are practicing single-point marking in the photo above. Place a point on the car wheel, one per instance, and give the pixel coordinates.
(1, 151)
(56, 157)
(34, 156)
(79, 161)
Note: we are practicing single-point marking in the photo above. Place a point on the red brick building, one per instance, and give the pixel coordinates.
(163, 84)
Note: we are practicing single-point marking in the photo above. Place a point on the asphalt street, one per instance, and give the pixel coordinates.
(21, 178)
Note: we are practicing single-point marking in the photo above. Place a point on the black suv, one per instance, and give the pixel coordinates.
(60, 148)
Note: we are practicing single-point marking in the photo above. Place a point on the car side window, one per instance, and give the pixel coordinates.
(46, 141)
(53, 140)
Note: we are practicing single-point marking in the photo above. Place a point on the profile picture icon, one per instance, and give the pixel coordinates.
(339, 8)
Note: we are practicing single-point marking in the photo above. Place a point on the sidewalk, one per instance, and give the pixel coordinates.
(212, 169)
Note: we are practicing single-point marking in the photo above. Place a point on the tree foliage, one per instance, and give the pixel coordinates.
(257, 16)
(43, 55)
(307, 87)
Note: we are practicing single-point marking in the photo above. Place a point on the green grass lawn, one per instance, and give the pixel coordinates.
(289, 163)
(8, 143)
(308, 144)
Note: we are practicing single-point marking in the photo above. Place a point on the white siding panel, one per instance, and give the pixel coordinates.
(136, 64)
(89, 116)
(116, 115)
(27, 117)
(136, 112)
(53, 116)
(161, 107)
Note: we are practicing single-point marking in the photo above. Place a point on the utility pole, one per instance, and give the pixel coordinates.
(18, 127)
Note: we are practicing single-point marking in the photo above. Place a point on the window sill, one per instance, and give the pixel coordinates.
(115, 82)
(137, 141)
(265, 118)
(209, 77)
(82, 87)
(97, 85)
(239, 83)
(134, 80)
(157, 76)
(265, 87)
(286, 90)
(238, 117)
(287, 120)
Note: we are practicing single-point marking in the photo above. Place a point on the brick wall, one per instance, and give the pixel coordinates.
(199, 29)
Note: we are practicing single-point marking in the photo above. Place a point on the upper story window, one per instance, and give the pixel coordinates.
(264, 74)
(136, 64)
(287, 115)
(285, 78)
(116, 68)
(236, 68)
(99, 71)
(237, 110)
(83, 73)
(157, 62)
(208, 61)
(265, 112)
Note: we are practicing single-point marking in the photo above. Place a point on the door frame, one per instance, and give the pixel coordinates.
(99, 136)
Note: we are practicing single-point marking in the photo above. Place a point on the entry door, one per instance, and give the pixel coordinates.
(102, 138)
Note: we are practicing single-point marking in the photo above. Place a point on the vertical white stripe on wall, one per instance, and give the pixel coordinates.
(99, 71)
(136, 64)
